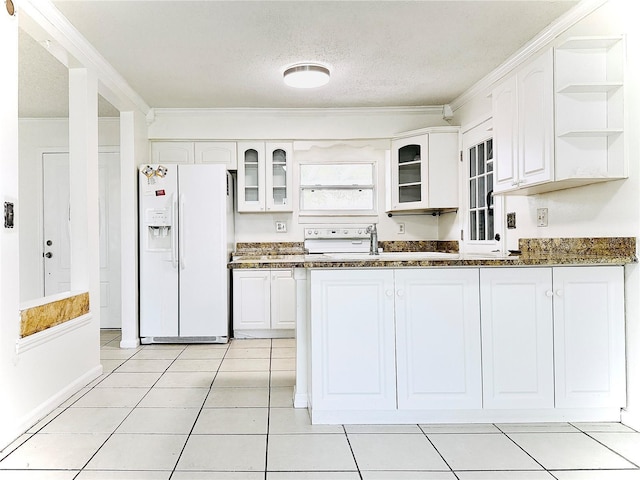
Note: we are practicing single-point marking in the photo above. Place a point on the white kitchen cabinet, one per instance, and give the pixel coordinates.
(589, 107)
(264, 303)
(283, 300)
(194, 152)
(172, 152)
(517, 338)
(352, 340)
(523, 127)
(418, 329)
(438, 339)
(424, 170)
(217, 152)
(589, 336)
(264, 176)
(553, 337)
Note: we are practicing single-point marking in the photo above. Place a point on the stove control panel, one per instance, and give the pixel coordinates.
(335, 232)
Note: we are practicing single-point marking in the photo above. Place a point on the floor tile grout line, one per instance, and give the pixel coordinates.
(438, 451)
(266, 447)
(127, 416)
(528, 454)
(636, 465)
(353, 454)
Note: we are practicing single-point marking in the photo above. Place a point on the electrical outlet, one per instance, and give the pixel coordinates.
(543, 217)
(281, 227)
(511, 220)
(401, 229)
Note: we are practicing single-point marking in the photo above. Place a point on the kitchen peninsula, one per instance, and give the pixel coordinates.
(409, 338)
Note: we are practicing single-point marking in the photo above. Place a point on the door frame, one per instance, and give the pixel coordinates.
(41, 152)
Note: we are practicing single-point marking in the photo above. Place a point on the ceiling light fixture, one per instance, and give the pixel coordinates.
(306, 75)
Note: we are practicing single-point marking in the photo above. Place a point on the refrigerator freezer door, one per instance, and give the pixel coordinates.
(158, 237)
(203, 233)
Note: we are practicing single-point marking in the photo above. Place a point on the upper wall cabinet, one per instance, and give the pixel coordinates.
(264, 176)
(589, 87)
(556, 134)
(195, 152)
(424, 171)
(523, 127)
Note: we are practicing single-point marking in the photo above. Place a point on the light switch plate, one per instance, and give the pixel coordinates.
(281, 227)
(511, 220)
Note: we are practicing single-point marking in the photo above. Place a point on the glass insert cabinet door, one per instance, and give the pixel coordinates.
(251, 176)
(278, 176)
(481, 218)
(409, 172)
(264, 176)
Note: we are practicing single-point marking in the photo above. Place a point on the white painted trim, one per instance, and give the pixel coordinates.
(37, 339)
(36, 302)
(46, 407)
(130, 343)
(67, 41)
(631, 419)
(540, 41)
(464, 416)
(293, 112)
(300, 399)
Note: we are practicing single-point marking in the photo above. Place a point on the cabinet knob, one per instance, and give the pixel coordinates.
(549, 293)
(401, 293)
(389, 293)
(559, 292)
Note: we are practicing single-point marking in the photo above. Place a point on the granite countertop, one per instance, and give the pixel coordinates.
(543, 252)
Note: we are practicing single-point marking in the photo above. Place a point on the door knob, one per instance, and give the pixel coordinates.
(48, 254)
(49, 243)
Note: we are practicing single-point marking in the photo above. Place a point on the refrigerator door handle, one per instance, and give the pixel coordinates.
(174, 233)
(181, 229)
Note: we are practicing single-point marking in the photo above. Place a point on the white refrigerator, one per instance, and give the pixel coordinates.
(186, 238)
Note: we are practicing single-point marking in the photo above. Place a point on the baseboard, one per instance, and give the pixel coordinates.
(135, 343)
(300, 400)
(9, 433)
(263, 333)
(631, 419)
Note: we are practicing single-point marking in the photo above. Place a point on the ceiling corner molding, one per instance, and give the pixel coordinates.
(172, 112)
(52, 23)
(534, 46)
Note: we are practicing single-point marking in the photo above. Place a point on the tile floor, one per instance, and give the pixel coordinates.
(224, 412)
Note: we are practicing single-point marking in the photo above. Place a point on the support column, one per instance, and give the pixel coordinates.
(133, 148)
(83, 183)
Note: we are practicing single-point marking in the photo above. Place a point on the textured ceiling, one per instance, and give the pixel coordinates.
(232, 53)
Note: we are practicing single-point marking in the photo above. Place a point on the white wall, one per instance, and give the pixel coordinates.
(606, 209)
(37, 136)
(34, 376)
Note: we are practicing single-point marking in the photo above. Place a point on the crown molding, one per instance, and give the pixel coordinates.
(300, 112)
(47, 24)
(534, 46)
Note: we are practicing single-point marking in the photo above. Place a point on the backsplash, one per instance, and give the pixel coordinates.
(584, 246)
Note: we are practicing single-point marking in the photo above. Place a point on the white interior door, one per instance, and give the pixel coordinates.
(56, 228)
(56, 246)
(109, 208)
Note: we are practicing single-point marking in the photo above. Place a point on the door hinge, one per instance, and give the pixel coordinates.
(461, 155)
(462, 235)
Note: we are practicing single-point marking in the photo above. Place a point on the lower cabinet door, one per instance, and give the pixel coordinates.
(589, 336)
(438, 339)
(517, 337)
(352, 340)
(283, 300)
(251, 299)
